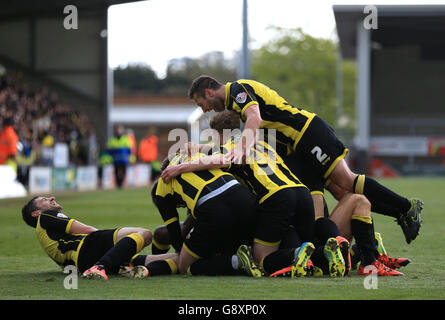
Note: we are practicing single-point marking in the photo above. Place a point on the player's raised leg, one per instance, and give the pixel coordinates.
(383, 200)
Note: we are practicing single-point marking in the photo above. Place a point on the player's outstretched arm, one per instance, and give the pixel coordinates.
(204, 163)
(248, 137)
(191, 148)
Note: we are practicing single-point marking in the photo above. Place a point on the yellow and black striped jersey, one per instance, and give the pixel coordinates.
(264, 172)
(54, 237)
(289, 122)
(186, 188)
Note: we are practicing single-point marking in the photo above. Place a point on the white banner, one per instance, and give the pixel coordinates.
(142, 175)
(108, 181)
(39, 180)
(129, 176)
(87, 178)
(61, 155)
(399, 146)
(138, 175)
(9, 186)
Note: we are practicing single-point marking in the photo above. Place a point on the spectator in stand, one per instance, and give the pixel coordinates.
(133, 144)
(148, 152)
(104, 159)
(119, 147)
(38, 113)
(47, 149)
(26, 155)
(8, 143)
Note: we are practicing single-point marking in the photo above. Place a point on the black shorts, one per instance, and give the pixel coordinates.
(222, 223)
(303, 219)
(316, 155)
(94, 247)
(285, 207)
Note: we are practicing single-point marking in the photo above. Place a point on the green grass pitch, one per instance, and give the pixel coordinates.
(26, 273)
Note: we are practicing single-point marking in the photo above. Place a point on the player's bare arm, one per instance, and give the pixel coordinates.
(204, 163)
(248, 137)
(80, 228)
(191, 148)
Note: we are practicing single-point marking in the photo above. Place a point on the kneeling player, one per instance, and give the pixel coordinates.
(223, 212)
(161, 240)
(352, 215)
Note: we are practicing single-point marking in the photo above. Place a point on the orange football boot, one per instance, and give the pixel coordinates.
(379, 268)
(95, 272)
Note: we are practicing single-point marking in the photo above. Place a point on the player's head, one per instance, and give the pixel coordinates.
(175, 159)
(227, 123)
(226, 119)
(204, 91)
(165, 163)
(32, 210)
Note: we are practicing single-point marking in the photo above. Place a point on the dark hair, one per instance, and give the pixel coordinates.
(226, 119)
(8, 122)
(177, 158)
(201, 83)
(165, 163)
(27, 210)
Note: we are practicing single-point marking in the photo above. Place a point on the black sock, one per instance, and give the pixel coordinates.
(278, 260)
(161, 267)
(158, 248)
(376, 252)
(291, 239)
(139, 260)
(121, 253)
(324, 228)
(356, 253)
(319, 259)
(385, 209)
(382, 199)
(214, 266)
(363, 232)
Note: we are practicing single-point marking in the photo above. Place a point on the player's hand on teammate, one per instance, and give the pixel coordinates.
(170, 172)
(237, 156)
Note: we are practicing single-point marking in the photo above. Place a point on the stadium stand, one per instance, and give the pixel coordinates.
(57, 149)
(41, 120)
(401, 63)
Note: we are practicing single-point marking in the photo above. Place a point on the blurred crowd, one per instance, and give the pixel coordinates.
(34, 122)
(41, 120)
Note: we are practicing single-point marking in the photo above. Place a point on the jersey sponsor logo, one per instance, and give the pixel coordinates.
(61, 215)
(241, 97)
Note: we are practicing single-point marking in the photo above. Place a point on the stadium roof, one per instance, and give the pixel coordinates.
(35, 41)
(397, 24)
(25, 8)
